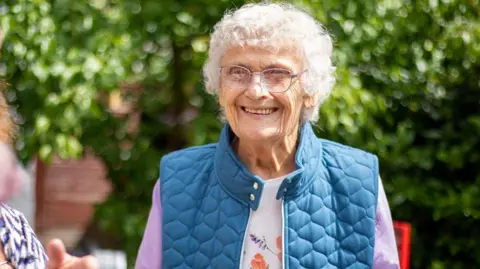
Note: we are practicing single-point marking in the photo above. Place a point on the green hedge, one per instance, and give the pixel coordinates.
(408, 90)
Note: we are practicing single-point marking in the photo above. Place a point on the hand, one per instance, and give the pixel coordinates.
(60, 259)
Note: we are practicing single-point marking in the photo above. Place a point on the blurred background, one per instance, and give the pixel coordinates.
(101, 89)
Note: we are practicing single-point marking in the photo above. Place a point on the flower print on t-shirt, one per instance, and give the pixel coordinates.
(261, 261)
(258, 262)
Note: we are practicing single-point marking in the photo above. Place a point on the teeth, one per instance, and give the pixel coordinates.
(264, 111)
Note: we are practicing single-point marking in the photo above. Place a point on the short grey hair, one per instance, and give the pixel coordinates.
(275, 26)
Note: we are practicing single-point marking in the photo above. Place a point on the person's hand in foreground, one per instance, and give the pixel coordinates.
(60, 259)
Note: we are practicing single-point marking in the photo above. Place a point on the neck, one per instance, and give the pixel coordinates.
(270, 159)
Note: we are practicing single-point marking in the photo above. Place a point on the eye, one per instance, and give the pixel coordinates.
(237, 71)
(277, 73)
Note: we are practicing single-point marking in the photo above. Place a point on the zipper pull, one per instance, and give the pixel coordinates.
(282, 190)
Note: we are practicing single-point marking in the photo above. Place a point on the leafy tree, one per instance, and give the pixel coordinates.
(407, 90)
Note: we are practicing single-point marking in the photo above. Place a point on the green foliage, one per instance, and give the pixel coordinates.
(408, 89)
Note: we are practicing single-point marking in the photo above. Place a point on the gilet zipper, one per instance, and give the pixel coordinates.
(284, 262)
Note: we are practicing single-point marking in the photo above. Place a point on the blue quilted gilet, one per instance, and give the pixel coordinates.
(329, 206)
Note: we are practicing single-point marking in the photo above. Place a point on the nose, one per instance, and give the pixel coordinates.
(255, 89)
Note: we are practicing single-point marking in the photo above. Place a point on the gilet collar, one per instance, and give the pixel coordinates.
(247, 188)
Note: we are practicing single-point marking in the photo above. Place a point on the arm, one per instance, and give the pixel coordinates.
(385, 253)
(150, 251)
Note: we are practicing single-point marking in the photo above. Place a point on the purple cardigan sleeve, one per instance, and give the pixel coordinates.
(385, 253)
(150, 252)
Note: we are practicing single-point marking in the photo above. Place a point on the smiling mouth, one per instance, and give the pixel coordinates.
(259, 111)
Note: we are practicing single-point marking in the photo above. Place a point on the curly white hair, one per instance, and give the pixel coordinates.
(276, 26)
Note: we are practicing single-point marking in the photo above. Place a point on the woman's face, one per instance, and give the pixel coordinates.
(253, 112)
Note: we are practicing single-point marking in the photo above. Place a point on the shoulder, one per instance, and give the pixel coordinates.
(190, 155)
(352, 161)
(20, 243)
(337, 149)
(10, 216)
(178, 168)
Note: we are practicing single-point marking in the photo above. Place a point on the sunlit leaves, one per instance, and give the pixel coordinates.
(66, 54)
(408, 90)
(419, 59)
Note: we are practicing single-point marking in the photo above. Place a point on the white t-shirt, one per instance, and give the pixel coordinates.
(263, 242)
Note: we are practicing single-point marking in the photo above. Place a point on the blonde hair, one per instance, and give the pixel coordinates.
(6, 123)
(275, 26)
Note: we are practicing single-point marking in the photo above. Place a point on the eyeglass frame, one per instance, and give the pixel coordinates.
(293, 77)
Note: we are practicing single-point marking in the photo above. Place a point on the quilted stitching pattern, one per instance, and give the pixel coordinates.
(203, 226)
(329, 208)
(333, 224)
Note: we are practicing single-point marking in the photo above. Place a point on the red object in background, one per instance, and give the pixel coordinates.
(403, 232)
(66, 194)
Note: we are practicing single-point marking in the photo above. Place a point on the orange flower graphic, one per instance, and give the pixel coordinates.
(258, 262)
(279, 247)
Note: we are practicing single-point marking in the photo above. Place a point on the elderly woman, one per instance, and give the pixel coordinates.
(269, 194)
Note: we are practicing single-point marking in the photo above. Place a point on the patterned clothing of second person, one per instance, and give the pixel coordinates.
(20, 244)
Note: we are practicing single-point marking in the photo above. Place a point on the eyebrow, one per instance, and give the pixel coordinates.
(276, 65)
(264, 67)
(243, 65)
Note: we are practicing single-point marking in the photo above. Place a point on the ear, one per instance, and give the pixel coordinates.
(309, 101)
(221, 98)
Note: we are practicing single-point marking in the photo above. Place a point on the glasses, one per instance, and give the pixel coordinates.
(276, 80)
